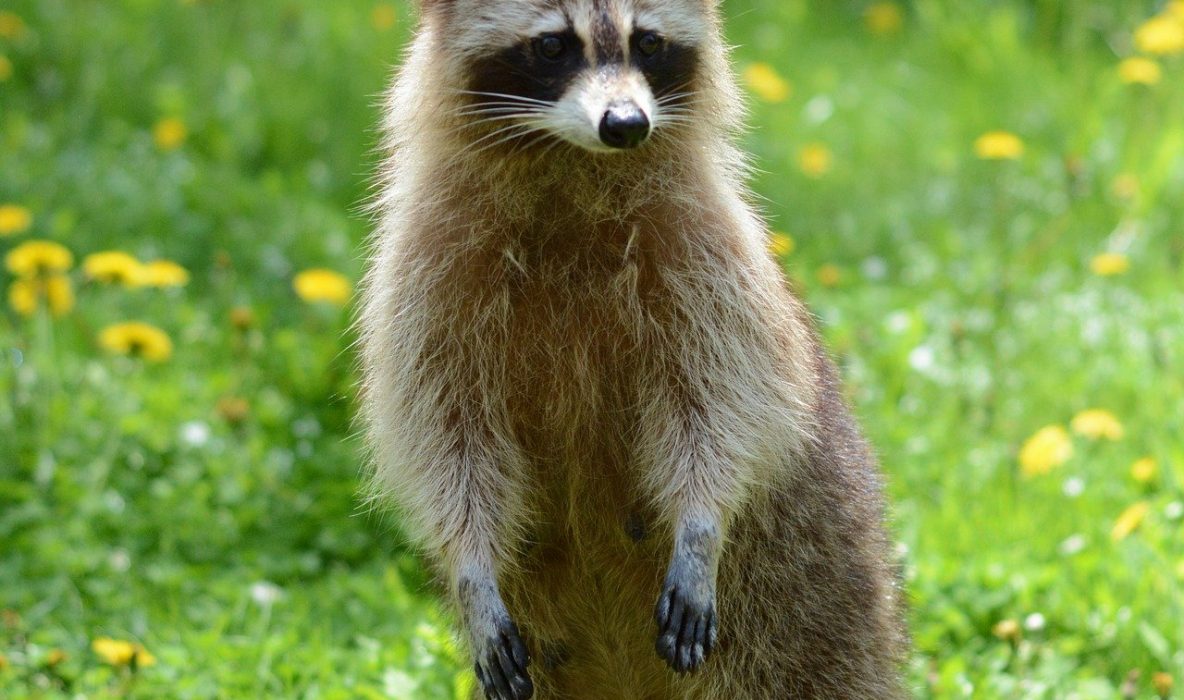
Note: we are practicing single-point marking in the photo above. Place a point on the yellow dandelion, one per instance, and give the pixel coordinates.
(1007, 630)
(242, 318)
(14, 219)
(781, 243)
(5, 68)
(764, 80)
(169, 133)
(120, 653)
(322, 285)
(55, 657)
(25, 295)
(1096, 424)
(233, 409)
(3, 662)
(999, 145)
(1162, 35)
(1125, 186)
(38, 258)
(830, 275)
(1144, 470)
(1129, 521)
(1109, 264)
(59, 293)
(383, 16)
(165, 273)
(1140, 71)
(815, 159)
(114, 267)
(1163, 684)
(1047, 449)
(884, 18)
(138, 340)
(11, 25)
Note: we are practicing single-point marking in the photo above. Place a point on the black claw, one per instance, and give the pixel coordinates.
(501, 669)
(686, 630)
(662, 614)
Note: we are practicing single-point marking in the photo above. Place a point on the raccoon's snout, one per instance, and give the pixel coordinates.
(624, 126)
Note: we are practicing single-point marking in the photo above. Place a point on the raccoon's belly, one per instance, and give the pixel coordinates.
(587, 580)
(584, 597)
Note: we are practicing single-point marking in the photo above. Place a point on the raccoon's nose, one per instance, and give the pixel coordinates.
(624, 126)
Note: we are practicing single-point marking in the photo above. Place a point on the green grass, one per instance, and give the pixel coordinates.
(965, 317)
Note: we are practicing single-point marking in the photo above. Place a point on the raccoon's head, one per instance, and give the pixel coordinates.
(604, 75)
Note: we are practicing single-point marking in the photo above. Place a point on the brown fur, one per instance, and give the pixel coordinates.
(574, 360)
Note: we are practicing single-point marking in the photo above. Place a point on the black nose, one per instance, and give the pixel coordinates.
(624, 127)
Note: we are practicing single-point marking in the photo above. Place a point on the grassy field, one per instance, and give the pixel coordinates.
(1008, 312)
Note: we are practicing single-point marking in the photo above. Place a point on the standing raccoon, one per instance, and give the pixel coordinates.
(586, 385)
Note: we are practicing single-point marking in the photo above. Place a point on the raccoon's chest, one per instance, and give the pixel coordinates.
(577, 347)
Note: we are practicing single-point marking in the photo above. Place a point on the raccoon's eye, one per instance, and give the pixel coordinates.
(649, 43)
(550, 47)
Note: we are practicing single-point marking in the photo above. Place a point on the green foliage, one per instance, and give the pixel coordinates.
(207, 507)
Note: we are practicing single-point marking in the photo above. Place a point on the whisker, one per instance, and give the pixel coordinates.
(519, 134)
(514, 98)
(496, 105)
(499, 113)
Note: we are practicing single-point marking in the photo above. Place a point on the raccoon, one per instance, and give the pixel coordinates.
(600, 411)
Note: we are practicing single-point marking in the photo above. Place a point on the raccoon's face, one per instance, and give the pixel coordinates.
(600, 74)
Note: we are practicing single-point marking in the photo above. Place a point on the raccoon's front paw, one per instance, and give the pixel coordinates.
(687, 626)
(501, 663)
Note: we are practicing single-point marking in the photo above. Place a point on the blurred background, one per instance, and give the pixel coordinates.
(981, 200)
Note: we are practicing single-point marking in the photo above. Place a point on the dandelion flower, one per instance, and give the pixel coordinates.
(5, 68)
(165, 273)
(11, 25)
(1125, 186)
(1047, 449)
(25, 295)
(764, 80)
(138, 340)
(1109, 264)
(1163, 684)
(1144, 470)
(1162, 35)
(114, 267)
(1139, 71)
(119, 653)
(3, 662)
(383, 16)
(815, 159)
(233, 409)
(38, 258)
(14, 219)
(55, 657)
(999, 145)
(1007, 630)
(781, 244)
(1129, 521)
(884, 18)
(1096, 424)
(169, 134)
(322, 285)
(242, 318)
(830, 275)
